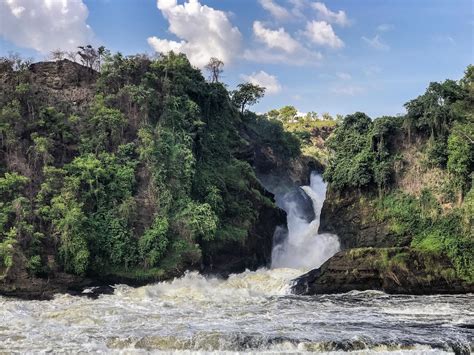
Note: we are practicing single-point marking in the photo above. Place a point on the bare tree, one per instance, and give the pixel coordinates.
(89, 56)
(72, 56)
(57, 54)
(214, 67)
(14, 62)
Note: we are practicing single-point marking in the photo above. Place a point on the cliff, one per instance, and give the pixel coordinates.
(400, 198)
(392, 270)
(133, 175)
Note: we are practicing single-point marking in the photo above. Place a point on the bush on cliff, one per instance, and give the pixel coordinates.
(142, 176)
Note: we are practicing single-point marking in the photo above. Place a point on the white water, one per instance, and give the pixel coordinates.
(304, 248)
(248, 313)
(251, 312)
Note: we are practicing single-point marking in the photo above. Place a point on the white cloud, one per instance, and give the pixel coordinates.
(302, 57)
(298, 7)
(376, 43)
(45, 25)
(344, 76)
(277, 11)
(165, 46)
(269, 82)
(321, 33)
(204, 32)
(324, 13)
(348, 90)
(385, 27)
(275, 38)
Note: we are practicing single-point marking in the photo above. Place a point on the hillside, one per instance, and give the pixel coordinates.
(133, 174)
(401, 197)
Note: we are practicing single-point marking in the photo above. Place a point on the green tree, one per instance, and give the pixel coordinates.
(247, 94)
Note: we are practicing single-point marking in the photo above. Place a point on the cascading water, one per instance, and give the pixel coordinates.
(250, 312)
(301, 246)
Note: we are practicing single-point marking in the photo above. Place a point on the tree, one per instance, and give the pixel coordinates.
(214, 67)
(57, 54)
(311, 116)
(327, 117)
(101, 53)
(247, 94)
(273, 114)
(89, 56)
(288, 113)
(72, 56)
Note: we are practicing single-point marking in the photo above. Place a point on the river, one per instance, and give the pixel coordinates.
(249, 312)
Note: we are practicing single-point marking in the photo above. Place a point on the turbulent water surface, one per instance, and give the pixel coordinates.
(248, 312)
(302, 247)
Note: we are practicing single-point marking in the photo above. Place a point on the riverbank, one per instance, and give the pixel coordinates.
(391, 270)
(250, 312)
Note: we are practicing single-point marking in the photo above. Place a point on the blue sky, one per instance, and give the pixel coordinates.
(336, 56)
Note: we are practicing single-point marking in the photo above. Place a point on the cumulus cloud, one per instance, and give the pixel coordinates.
(321, 33)
(376, 43)
(261, 78)
(45, 25)
(275, 38)
(277, 11)
(204, 32)
(324, 13)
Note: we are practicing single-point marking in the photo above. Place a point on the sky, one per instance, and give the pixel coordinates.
(335, 56)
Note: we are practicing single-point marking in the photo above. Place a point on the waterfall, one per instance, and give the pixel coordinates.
(300, 246)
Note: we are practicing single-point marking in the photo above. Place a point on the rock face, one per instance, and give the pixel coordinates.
(71, 87)
(18, 283)
(351, 216)
(65, 80)
(392, 270)
(254, 253)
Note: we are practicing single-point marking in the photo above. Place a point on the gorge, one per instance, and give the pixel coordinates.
(251, 312)
(142, 196)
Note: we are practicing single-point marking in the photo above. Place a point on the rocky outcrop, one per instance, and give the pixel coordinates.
(17, 282)
(70, 87)
(254, 252)
(351, 215)
(267, 162)
(392, 270)
(56, 83)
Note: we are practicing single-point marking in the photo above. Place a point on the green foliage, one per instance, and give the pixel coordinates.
(361, 152)
(153, 243)
(145, 177)
(272, 133)
(431, 230)
(14, 213)
(200, 219)
(247, 94)
(7, 250)
(460, 155)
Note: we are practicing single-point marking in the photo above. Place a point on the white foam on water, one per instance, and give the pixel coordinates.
(304, 248)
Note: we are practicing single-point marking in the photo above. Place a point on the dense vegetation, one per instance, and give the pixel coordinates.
(149, 172)
(421, 165)
(144, 177)
(310, 130)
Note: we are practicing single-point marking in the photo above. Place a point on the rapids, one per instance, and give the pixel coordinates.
(247, 313)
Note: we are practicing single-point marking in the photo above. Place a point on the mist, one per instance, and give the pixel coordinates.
(299, 245)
